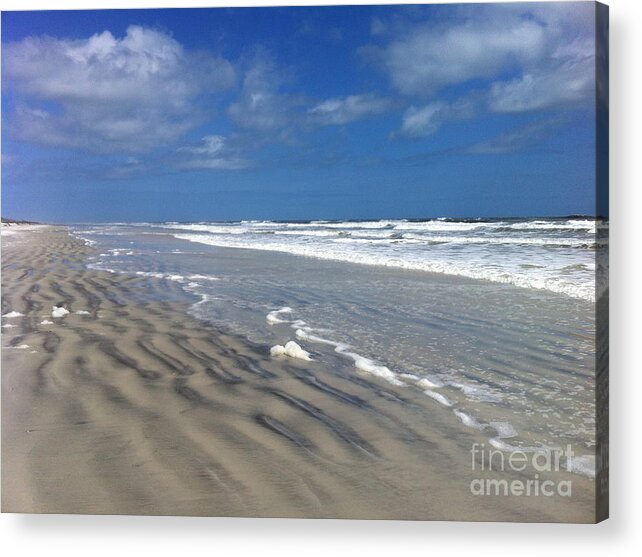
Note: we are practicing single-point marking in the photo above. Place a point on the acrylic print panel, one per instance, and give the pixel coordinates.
(309, 262)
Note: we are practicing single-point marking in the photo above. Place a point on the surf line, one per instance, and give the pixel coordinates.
(303, 332)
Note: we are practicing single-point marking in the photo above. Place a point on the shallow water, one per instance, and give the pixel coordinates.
(517, 364)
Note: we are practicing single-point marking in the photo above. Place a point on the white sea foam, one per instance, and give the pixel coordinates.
(202, 277)
(13, 314)
(59, 312)
(501, 252)
(291, 349)
(8, 326)
(584, 465)
(165, 276)
(504, 430)
(46, 322)
(477, 392)
(82, 312)
(546, 254)
(441, 399)
(360, 362)
(468, 420)
(369, 366)
(273, 317)
(426, 383)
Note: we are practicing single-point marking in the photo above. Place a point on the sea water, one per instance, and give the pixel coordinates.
(493, 320)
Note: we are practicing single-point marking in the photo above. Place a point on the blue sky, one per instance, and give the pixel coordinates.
(299, 113)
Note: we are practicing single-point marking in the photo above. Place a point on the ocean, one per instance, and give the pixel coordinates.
(493, 319)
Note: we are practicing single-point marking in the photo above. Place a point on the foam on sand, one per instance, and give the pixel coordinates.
(8, 326)
(582, 465)
(506, 430)
(468, 420)
(291, 349)
(367, 365)
(59, 312)
(360, 362)
(441, 399)
(13, 314)
(82, 312)
(46, 322)
(426, 383)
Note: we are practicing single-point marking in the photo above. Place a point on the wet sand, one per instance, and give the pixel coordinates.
(138, 408)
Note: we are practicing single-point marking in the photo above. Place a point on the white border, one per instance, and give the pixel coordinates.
(51, 535)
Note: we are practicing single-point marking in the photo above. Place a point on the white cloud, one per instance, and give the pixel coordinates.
(427, 119)
(109, 94)
(214, 153)
(261, 105)
(347, 109)
(518, 138)
(429, 58)
(529, 57)
(568, 79)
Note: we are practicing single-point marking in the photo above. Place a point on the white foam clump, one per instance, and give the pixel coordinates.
(13, 314)
(202, 277)
(468, 420)
(506, 430)
(291, 349)
(360, 362)
(441, 399)
(478, 392)
(8, 326)
(167, 276)
(426, 383)
(367, 365)
(82, 312)
(583, 465)
(59, 311)
(46, 322)
(273, 317)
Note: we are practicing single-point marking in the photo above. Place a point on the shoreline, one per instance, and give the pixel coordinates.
(139, 408)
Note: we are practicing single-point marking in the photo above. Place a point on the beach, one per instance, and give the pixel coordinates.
(134, 400)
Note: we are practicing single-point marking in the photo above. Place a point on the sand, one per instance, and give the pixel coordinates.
(135, 407)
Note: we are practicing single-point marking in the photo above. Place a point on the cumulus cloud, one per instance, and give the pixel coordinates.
(429, 58)
(261, 105)
(568, 79)
(343, 110)
(108, 94)
(426, 120)
(214, 153)
(529, 57)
